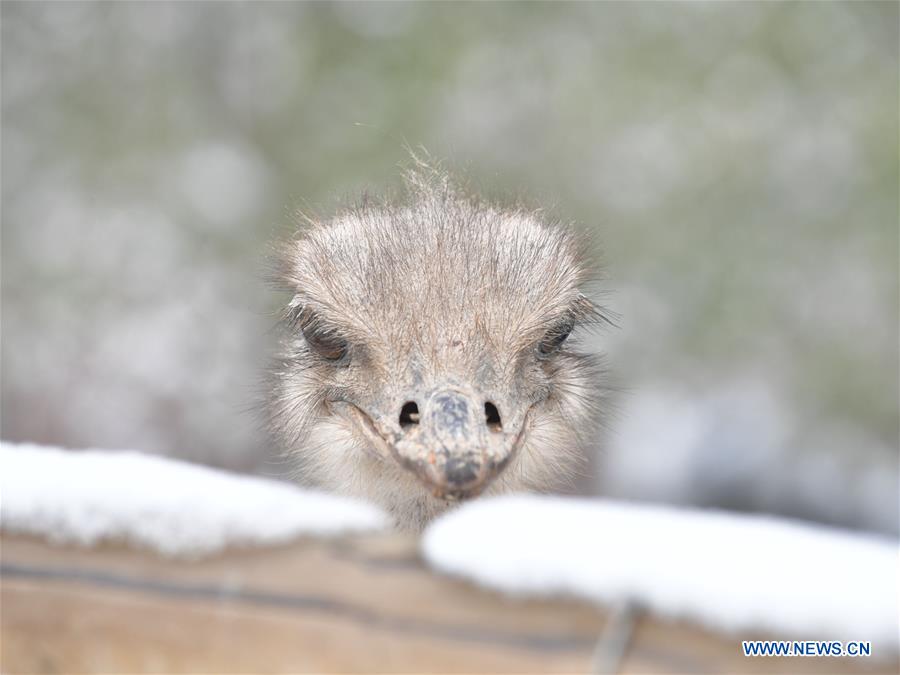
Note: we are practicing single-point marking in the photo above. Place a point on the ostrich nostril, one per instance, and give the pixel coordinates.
(409, 414)
(492, 417)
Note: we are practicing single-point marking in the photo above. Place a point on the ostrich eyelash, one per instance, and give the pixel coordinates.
(322, 340)
(326, 344)
(554, 339)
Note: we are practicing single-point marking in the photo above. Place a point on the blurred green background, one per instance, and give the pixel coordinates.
(739, 162)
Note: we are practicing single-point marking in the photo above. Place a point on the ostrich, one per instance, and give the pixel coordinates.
(425, 358)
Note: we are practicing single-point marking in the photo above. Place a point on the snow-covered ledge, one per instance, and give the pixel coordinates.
(734, 573)
(172, 507)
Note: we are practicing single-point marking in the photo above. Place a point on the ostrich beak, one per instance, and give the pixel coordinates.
(456, 445)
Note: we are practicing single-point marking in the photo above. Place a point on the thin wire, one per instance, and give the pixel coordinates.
(615, 639)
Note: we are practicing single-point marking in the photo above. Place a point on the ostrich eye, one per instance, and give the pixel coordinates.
(553, 340)
(329, 346)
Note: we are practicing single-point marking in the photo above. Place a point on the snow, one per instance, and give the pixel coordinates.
(172, 507)
(737, 573)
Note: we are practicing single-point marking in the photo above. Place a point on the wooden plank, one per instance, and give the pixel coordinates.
(352, 605)
(64, 629)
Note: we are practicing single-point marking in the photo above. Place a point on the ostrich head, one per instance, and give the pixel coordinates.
(428, 355)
